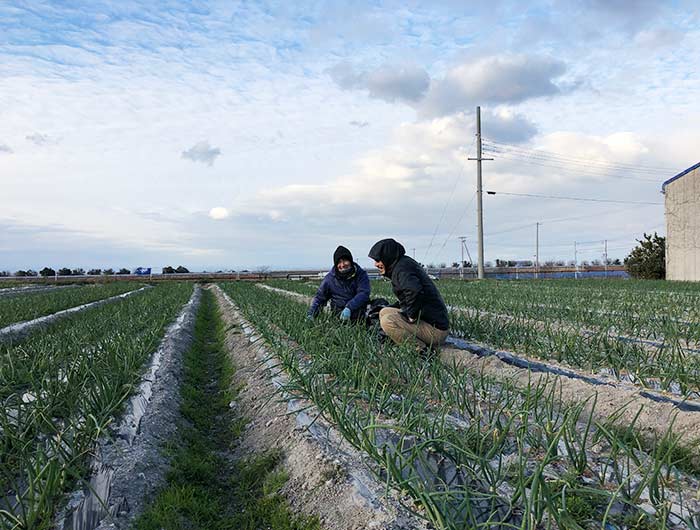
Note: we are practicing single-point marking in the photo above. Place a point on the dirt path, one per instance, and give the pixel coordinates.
(327, 477)
(654, 419)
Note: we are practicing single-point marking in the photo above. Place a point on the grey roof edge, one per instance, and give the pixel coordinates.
(691, 168)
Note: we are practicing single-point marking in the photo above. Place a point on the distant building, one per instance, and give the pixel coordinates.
(682, 198)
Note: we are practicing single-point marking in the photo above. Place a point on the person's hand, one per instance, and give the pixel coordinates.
(345, 315)
(309, 318)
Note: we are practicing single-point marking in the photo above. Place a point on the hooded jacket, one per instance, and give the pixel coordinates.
(349, 290)
(341, 253)
(418, 297)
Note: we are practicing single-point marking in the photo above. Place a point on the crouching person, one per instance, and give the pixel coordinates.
(346, 286)
(421, 318)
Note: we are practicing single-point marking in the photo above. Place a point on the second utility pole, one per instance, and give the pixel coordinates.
(479, 205)
(462, 239)
(537, 252)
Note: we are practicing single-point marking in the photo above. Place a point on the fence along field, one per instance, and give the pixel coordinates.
(470, 448)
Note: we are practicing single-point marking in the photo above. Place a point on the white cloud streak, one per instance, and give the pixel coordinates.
(391, 83)
(40, 139)
(218, 213)
(500, 79)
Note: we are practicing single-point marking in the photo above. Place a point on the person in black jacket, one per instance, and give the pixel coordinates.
(421, 317)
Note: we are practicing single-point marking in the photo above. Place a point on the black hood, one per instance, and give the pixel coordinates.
(343, 253)
(388, 251)
(340, 253)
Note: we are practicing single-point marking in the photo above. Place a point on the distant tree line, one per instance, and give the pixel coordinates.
(647, 260)
(179, 270)
(65, 271)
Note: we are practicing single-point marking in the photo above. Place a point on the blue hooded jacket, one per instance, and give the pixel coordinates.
(352, 293)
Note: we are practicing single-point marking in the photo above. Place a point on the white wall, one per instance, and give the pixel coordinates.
(683, 227)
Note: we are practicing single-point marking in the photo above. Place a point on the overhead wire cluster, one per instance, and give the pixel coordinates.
(577, 165)
(458, 178)
(561, 163)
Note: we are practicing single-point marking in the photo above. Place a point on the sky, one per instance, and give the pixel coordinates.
(238, 135)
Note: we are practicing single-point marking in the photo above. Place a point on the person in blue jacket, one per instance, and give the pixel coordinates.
(346, 286)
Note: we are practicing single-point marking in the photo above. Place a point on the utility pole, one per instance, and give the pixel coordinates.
(479, 205)
(605, 258)
(575, 261)
(414, 252)
(462, 239)
(537, 251)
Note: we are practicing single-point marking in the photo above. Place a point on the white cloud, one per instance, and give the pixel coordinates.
(402, 189)
(202, 152)
(40, 139)
(412, 169)
(260, 89)
(658, 37)
(503, 124)
(407, 83)
(629, 15)
(5, 148)
(218, 213)
(621, 147)
(495, 79)
(404, 83)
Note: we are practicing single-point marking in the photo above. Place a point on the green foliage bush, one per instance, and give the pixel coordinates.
(647, 261)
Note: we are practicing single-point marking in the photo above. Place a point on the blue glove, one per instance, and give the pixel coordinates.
(345, 315)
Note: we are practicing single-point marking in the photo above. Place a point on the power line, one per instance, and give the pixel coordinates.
(584, 199)
(599, 249)
(442, 216)
(575, 170)
(563, 219)
(466, 208)
(514, 229)
(622, 237)
(588, 216)
(564, 162)
(444, 210)
(548, 155)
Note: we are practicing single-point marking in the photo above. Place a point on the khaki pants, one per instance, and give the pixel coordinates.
(402, 331)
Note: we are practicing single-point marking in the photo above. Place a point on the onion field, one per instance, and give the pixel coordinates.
(61, 387)
(639, 332)
(20, 306)
(554, 404)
